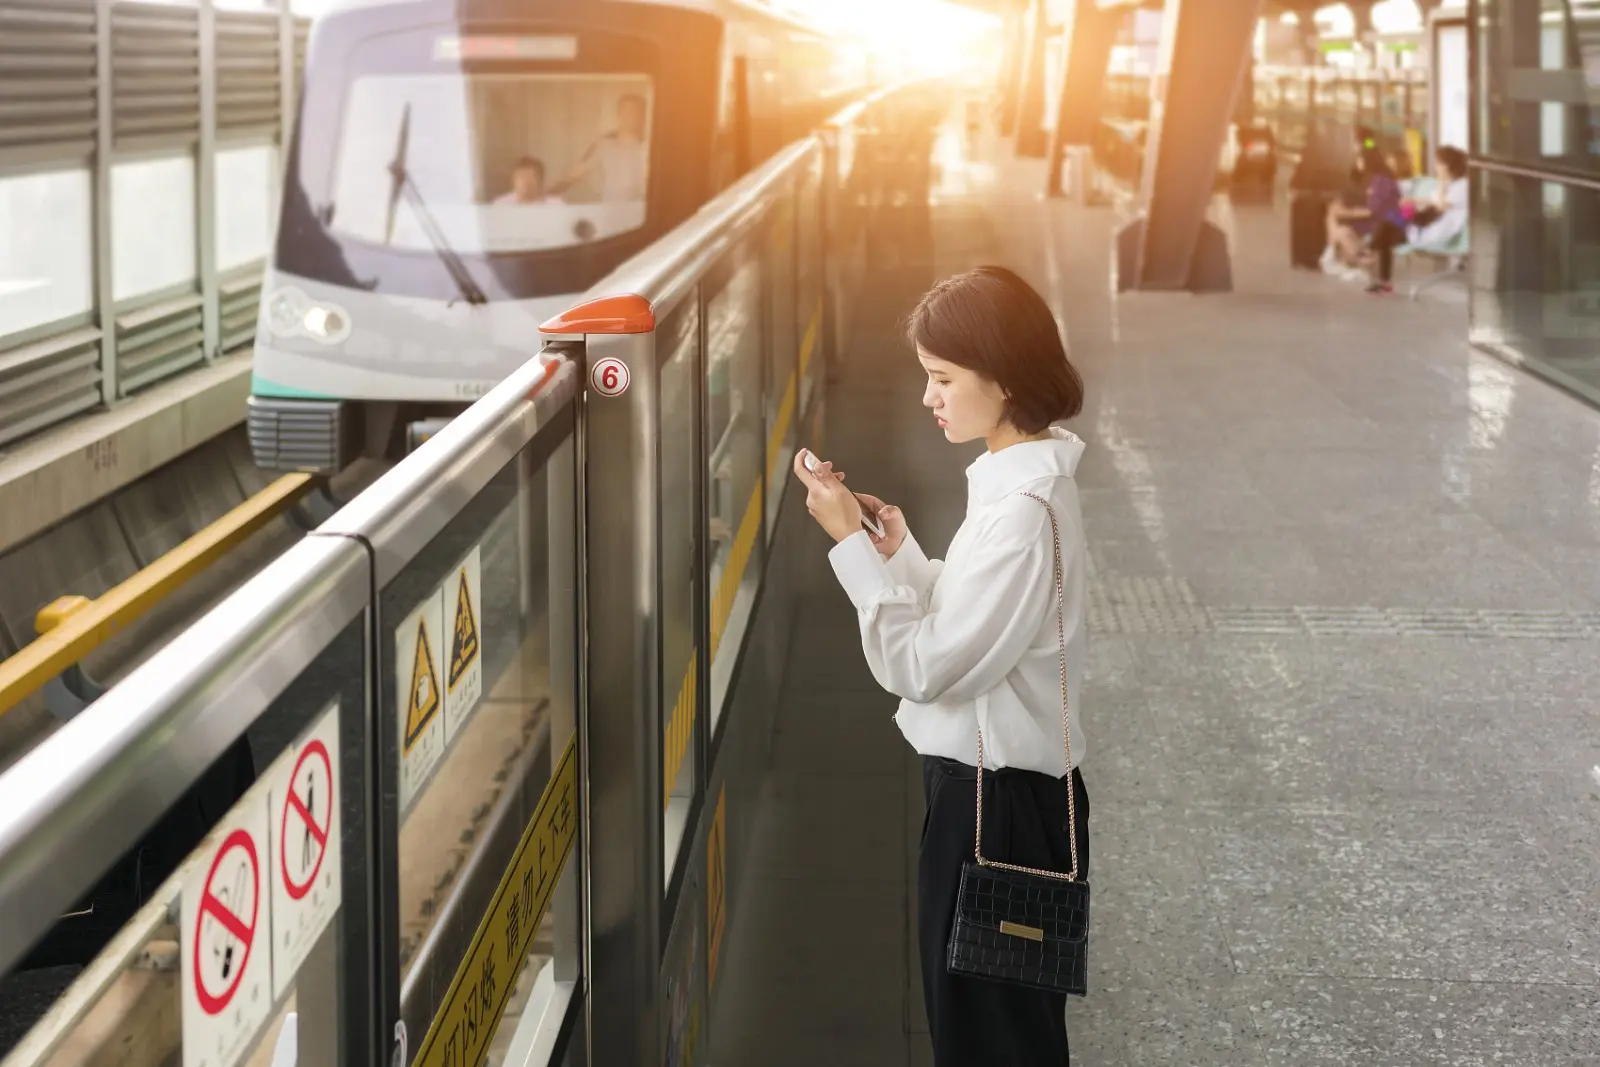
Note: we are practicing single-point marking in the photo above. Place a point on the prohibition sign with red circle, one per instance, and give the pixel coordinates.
(212, 905)
(292, 802)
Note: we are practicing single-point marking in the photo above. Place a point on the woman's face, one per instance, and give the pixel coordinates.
(967, 405)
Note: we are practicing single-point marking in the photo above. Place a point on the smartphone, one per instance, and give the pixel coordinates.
(868, 519)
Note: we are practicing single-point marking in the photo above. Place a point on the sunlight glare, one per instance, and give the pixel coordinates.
(923, 36)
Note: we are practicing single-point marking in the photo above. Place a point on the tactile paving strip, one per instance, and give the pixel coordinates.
(1130, 604)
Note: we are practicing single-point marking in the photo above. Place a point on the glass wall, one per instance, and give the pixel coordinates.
(1535, 272)
(1536, 59)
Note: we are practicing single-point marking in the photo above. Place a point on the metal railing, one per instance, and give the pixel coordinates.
(117, 273)
(553, 631)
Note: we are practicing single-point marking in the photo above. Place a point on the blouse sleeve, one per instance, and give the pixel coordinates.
(991, 611)
(910, 566)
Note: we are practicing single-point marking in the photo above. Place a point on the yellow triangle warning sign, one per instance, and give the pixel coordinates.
(424, 696)
(464, 648)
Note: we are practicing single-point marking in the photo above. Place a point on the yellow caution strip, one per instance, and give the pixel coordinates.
(810, 342)
(71, 627)
(466, 1022)
(680, 728)
(733, 574)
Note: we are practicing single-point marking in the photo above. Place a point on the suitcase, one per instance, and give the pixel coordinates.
(1308, 229)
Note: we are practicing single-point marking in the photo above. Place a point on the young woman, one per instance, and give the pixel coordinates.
(973, 642)
(1379, 224)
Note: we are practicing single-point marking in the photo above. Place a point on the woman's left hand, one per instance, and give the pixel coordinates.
(835, 508)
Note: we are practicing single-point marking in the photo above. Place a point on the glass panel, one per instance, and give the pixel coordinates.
(1536, 274)
(262, 954)
(476, 633)
(493, 162)
(734, 439)
(247, 194)
(152, 226)
(1538, 70)
(678, 342)
(47, 253)
(782, 384)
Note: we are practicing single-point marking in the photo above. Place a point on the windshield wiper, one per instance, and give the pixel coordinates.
(402, 184)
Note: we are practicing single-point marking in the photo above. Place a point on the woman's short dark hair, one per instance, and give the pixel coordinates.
(1454, 160)
(990, 321)
(1374, 163)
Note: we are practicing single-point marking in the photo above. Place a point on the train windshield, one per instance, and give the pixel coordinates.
(491, 163)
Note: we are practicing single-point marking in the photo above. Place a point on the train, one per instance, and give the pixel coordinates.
(461, 170)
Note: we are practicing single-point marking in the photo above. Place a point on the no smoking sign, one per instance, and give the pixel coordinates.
(305, 885)
(258, 897)
(227, 980)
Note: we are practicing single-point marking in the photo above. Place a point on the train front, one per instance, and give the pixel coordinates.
(450, 185)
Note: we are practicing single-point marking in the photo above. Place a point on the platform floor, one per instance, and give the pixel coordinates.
(1341, 707)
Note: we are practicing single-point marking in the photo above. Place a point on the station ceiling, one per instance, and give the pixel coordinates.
(1007, 7)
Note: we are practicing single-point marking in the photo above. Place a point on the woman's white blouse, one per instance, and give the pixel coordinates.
(971, 640)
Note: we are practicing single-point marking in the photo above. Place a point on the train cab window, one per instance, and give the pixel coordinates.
(492, 163)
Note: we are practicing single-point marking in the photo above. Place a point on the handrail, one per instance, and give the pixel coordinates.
(402, 511)
(107, 775)
(72, 627)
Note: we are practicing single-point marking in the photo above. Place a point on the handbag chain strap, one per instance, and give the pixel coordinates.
(1066, 727)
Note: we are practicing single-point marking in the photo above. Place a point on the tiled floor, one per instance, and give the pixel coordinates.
(1341, 707)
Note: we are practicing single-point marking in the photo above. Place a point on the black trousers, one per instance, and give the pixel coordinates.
(974, 1022)
(1385, 239)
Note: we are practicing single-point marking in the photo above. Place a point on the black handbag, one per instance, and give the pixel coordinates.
(1016, 924)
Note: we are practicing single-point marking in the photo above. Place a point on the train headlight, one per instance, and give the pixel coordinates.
(326, 323)
(291, 313)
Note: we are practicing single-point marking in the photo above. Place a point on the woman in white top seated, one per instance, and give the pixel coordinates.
(1437, 222)
(973, 641)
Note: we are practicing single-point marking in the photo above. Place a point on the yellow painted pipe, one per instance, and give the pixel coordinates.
(71, 627)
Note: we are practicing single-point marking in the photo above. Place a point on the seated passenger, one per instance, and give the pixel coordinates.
(621, 157)
(1437, 222)
(1353, 196)
(527, 184)
(1400, 165)
(1381, 224)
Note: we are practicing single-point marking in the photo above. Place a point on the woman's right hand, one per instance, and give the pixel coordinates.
(892, 521)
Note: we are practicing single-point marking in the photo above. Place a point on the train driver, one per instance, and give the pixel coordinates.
(620, 156)
(527, 184)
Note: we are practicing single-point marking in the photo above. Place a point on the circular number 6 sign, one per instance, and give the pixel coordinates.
(609, 377)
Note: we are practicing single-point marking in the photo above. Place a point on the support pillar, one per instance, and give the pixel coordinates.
(1031, 139)
(1205, 46)
(1089, 33)
(1012, 71)
(1310, 39)
(1366, 34)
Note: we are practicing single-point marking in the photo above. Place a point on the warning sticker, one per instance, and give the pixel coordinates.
(466, 1022)
(418, 694)
(462, 593)
(225, 928)
(306, 885)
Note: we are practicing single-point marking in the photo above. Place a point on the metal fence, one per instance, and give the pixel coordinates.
(530, 672)
(139, 171)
